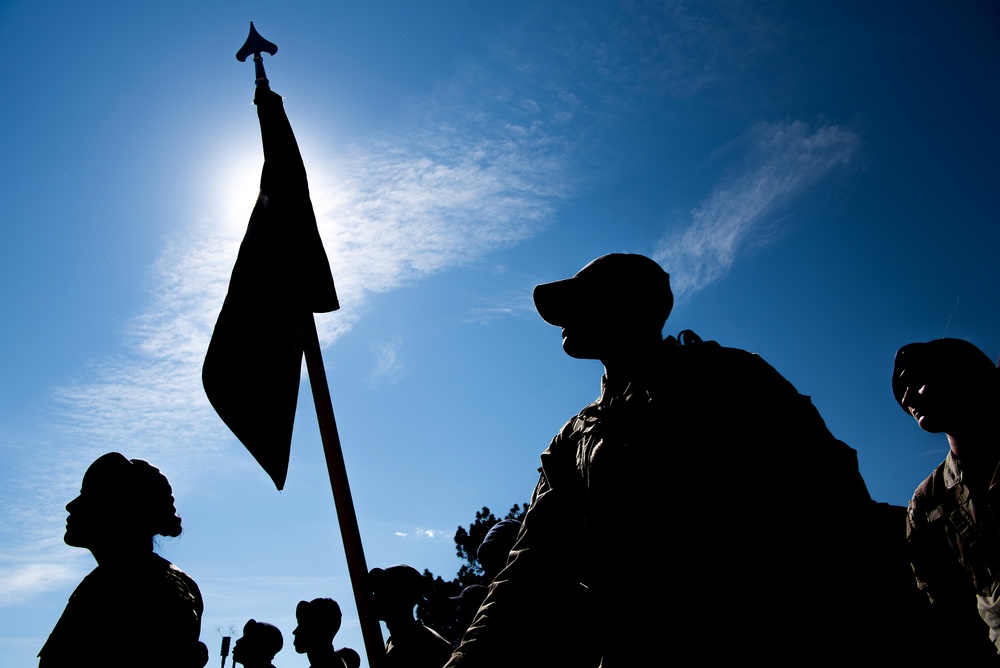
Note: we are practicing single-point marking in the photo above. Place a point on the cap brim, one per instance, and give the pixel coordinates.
(554, 301)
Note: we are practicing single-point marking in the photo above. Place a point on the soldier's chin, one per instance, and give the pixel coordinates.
(577, 351)
(929, 425)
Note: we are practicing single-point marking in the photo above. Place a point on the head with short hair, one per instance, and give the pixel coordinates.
(318, 622)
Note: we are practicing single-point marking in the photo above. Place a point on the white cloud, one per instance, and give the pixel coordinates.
(20, 582)
(786, 159)
(389, 366)
(396, 209)
(435, 192)
(433, 533)
(478, 165)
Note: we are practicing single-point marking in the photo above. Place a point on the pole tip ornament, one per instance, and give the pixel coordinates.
(256, 45)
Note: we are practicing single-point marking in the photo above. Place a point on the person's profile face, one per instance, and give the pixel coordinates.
(98, 512)
(586, 340)
(250, 647)
(932, 399)
(303, 638)
(78, 522)
(239, 650)
(916, 402)
(600, 332)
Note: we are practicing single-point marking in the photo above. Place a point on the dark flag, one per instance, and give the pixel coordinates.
(251, 371)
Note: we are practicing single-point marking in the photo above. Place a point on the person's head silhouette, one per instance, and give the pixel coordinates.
(947, 385)
(614, 304)
(350, 657)
(496, 546)
(318, 622)
(123, 504)
(395, 591)
(258, 645)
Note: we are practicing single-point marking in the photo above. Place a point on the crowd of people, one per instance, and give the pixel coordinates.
(782, 556)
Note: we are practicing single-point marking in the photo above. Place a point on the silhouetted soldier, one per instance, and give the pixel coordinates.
(950, 386)
(496, 546)
(135, 608)
(395, 592)
(318, 622)
(350, 657)
(706, 453)
(467, 605)
(258, 645)
(492, 555)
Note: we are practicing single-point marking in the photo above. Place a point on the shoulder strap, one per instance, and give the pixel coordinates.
(688, 339)
(928, 491)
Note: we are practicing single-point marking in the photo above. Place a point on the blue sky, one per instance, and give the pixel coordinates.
(819, 179)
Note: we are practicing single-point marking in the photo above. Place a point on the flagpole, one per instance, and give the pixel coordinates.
(323, 298)
(356, 565)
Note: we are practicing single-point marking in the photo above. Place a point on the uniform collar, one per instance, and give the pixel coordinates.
(952, 471)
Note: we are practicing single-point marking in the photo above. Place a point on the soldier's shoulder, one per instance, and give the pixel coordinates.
(930, 489)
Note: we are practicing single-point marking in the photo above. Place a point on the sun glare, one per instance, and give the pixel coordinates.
(238, 183)
(230, 181)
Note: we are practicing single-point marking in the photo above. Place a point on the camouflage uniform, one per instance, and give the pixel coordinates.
(954, 546)
(697, 499)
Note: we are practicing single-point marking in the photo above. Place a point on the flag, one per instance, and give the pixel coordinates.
(282, 275)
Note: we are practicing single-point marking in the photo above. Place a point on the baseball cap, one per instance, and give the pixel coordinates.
(623, 279)
(399, 582)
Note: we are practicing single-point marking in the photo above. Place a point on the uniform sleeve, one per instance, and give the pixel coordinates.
(962, 635)
(525, 605)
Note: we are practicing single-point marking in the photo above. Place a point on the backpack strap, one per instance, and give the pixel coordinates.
(687, 337)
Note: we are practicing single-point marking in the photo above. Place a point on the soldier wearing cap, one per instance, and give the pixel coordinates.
(258, 645)
(700, 488)
(950, 386)
(396, 590)
(318, 622)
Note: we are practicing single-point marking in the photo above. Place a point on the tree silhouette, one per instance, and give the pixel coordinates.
(438, 611)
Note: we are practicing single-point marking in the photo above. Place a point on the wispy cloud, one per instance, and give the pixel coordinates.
(441, 188)
(784, 161)
(18, 583)
(510, 297)
(389, 366)
(480, 163)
